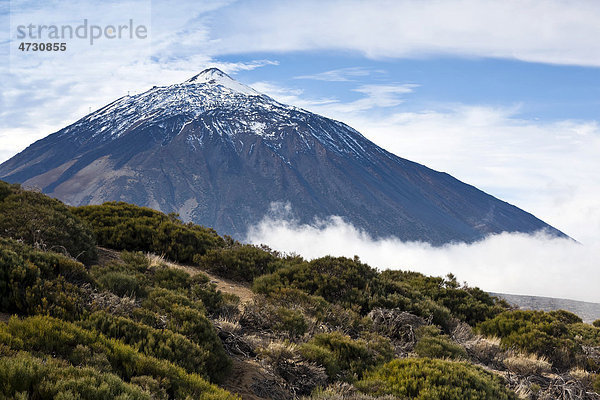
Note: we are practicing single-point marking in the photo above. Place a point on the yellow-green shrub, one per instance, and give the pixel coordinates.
(123, 226)
(51, 336)
(546, 334)
(345, 358)
(35, 282)
(39, 220)
(25, 376)
(239, 262)
(159, 343)
(429, 379)
(431, 343)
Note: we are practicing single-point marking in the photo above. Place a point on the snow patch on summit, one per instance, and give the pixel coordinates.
(214, 76)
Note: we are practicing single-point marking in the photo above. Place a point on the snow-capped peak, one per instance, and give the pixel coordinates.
(214, 76)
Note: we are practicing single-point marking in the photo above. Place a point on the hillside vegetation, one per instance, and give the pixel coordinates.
(95, 307)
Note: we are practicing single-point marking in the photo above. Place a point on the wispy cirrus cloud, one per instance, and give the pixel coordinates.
(341, 74)
(372, 96)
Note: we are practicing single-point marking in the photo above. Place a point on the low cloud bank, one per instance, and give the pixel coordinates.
(516, 263)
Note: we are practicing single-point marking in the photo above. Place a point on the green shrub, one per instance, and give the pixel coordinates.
(596, 384)
(357, 286)
(164, 300)
(171, 278)
(291, 321)
(345, 358)
(136, 276)
(59, 338)
(57, 298)
(334, 316)
(159, 343)
(35, 282)
(566, 317)
(44, 222)
(596, 323)
(49, 265)
(586, 334)
(336, 279)
(135, 260)
(25, 376)
(239, 262)
(429, 379)
(121, 284)
(186, 317)
(410, 291)
(123, 226)
(546, 334)
(431, 343)
(203, 290)
(263, 315)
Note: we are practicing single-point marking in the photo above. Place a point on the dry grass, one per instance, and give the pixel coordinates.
(583, 376)
(463, 333)
(159, 261)
(486, 350)
(277, 351)
(228, 325)
(527, 364)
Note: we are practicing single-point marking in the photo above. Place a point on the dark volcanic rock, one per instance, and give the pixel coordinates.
(219, 153)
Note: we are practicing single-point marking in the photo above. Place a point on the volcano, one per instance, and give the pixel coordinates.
(220, 154)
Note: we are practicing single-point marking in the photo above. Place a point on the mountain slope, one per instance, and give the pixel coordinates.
(219, 153)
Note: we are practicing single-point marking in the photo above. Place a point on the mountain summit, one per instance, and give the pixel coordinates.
(214, 76)
(219, 153)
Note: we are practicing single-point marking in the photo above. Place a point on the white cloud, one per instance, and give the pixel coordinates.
(551, 31)
(373, 96)
(506, 263)
(339, 75)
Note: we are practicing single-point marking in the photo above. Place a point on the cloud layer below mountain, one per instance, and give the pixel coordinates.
(507, 263)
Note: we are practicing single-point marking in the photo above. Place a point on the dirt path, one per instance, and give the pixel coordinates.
(224, 285)
(243, 291)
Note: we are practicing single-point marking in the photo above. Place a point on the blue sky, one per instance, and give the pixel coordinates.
(502, 94)
(543, 91)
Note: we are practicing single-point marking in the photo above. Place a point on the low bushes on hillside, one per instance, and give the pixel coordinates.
(159, 343)
(428, 379)
(557, 335)
(345, 358)
(48, 335)
(442, 298)
(239, 262)
(123, 226)
(44, 223)
(336, 279)
(431, 343)
(37, 282)
(24, 376)
(355, 285)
